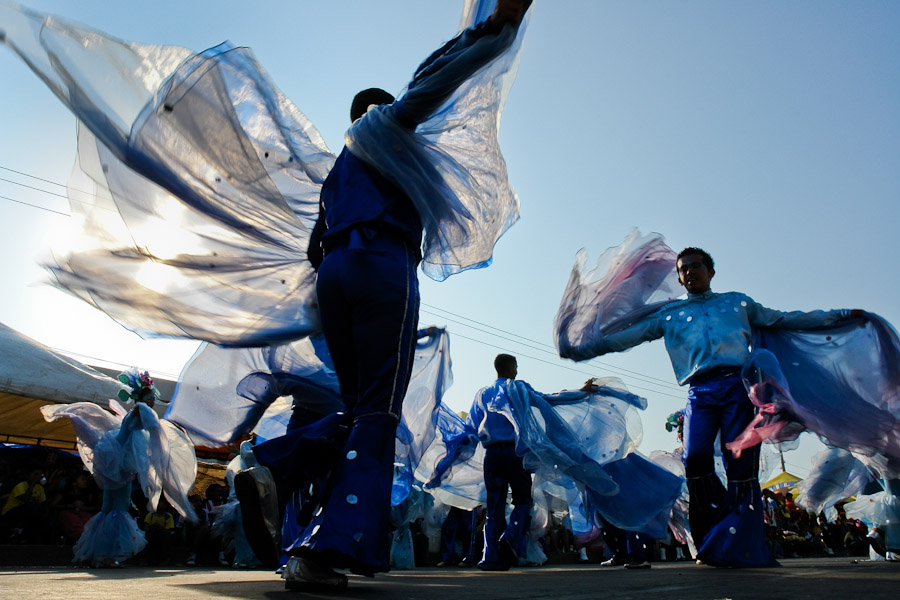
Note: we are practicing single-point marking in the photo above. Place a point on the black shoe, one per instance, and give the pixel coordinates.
(638, 565)
(305, 574)
(255, 489)
(507, 553)
(493, 566)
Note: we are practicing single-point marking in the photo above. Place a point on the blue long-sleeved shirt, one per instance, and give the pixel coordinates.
(490, 426)
(709, 331)
(356, 196)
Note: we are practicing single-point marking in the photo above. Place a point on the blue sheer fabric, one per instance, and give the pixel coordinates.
(834, 476)
(208, 141)
(119, 448)
(112, 535)
(451, 166)
(629, 282)
(226, 393)
(577, 443)
(223, 393)
(840, 382)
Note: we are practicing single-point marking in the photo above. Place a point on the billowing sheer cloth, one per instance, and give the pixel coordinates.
(227, 393)
(679, 523)
(224, 393)
(197, 181)
(840, 382)
(451, 166)
(133, 444)
(576, 443)
(629, 282)
(835, 475)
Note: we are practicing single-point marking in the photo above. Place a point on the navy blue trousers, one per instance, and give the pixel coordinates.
(504, 472)
(726, 524)
(369, 302)
(459, 525)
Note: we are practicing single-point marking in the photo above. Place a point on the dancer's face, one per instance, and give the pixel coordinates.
(693, 274)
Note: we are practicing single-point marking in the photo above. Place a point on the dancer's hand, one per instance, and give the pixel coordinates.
(509, 11)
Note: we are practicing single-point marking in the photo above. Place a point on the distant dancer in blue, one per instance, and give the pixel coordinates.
(707, 337)
(503, 472)
(366, 247)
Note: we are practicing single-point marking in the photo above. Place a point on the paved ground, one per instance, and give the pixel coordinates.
(818, 579)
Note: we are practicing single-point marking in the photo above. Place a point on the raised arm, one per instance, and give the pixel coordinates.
(456, 61)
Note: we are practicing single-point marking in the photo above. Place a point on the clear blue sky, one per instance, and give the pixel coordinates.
(766, 132)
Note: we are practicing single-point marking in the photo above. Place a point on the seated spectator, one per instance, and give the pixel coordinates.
(80, 501)
(201, 539)
(25, 509)
(159, 527)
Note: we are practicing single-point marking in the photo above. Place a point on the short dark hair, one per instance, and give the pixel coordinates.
(366, 98)
(707, 259)
(503, 362)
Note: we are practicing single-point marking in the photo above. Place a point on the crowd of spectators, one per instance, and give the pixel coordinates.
(46, 497)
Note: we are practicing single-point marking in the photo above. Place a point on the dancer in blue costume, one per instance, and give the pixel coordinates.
(503, 470)
(117, 449)
(239, 274)
(368, 236)
(707, 337)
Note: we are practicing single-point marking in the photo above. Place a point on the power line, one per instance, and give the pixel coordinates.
(50, 181)
(562, 366)
(35, 206)
(543, 347)
(123, 366)
(30, 187)
(67, 197)
(31, 176)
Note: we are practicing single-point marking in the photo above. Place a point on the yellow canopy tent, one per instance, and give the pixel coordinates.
(783, 482)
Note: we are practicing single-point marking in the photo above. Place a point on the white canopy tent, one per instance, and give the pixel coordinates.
(32, 375)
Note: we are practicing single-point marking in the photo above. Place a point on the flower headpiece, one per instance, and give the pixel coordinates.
(675, 421)
(139, 383)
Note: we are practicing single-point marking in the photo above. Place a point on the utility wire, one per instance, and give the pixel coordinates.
(561, 366)
(35, 206)
(69, 198)
(544, 347)
(30, 187)
(539, 350)
(94, 359)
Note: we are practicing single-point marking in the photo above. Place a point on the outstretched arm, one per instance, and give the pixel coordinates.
(456, 61)
(648, 328)
(761, 316)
